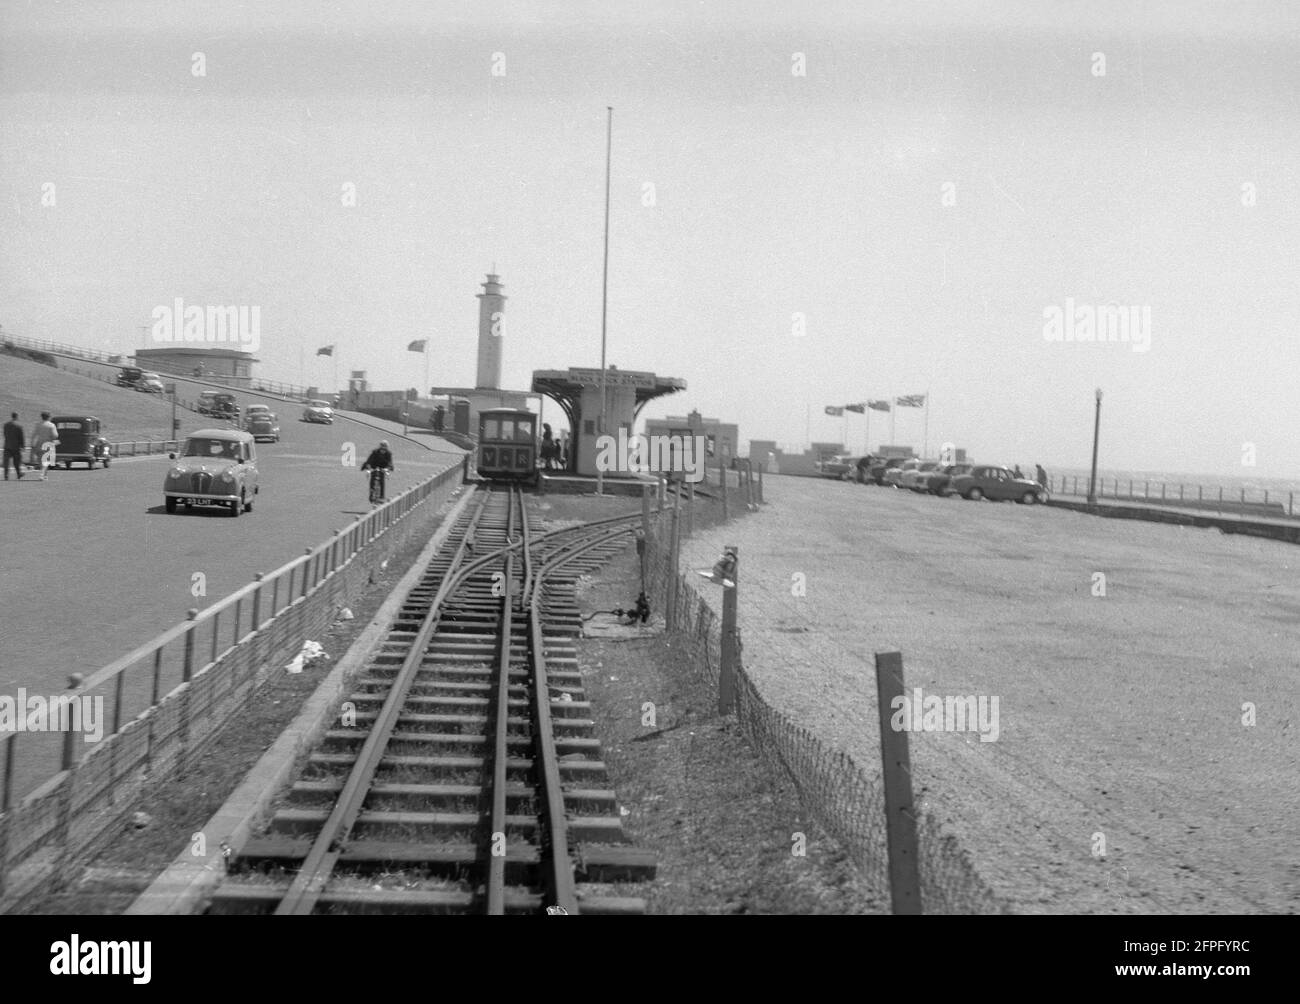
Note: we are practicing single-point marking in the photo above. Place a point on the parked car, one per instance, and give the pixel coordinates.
(80, 441)
(261, 423)
(841, 467)
(893, 476)
(877, 471)
(207, 402)
(909, 478)
(149, 383)
(129, 376)
(215, 467)
(998, 484)
(318, 410)
(937, 482)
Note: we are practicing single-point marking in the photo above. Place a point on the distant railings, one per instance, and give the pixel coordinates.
(159, 705)
(1243, 502)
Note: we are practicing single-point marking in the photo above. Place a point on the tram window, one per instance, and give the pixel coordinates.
(491, 428)
(524, 431)
(507, 429)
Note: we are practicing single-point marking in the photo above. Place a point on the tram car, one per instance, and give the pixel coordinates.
(507, 445)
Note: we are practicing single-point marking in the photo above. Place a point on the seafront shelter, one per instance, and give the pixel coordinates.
(577, 391)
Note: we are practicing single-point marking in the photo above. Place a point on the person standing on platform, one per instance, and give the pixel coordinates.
(1041, 475)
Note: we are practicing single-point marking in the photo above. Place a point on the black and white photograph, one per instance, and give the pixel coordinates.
(666, 459)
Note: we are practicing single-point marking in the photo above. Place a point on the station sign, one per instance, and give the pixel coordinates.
(613, 378)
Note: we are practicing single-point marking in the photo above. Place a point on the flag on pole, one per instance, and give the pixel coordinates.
(857, 409)
(832, 410)
(878, 405)
(327, 350)
(911, 401)
(417, 346)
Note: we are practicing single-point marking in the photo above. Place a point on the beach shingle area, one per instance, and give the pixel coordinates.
(1147, 751)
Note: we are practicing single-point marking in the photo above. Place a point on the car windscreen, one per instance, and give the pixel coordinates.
(212, 448)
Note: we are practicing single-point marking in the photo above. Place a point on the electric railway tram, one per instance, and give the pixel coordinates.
(507, 445)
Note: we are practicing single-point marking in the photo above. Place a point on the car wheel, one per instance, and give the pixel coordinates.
(974, 494)
(1029, 498)
(237, 507)
(106, 463)
(248, 506)
(171, 504)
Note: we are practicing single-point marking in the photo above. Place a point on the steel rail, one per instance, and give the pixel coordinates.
(558, 876)
(327, 848)
(496, 877)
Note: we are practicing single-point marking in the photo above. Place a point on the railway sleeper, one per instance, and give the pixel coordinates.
(591, 862)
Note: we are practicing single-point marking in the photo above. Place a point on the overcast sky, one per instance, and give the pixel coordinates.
(1171, 182)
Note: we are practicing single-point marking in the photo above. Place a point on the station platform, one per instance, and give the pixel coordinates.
(558, 483)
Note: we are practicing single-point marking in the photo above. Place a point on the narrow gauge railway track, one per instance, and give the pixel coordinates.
(462, 775)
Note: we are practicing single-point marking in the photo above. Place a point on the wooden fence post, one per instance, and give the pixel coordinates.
(727, 669)
(900, 815)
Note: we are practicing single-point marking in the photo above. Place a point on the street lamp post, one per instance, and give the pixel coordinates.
(604, 294)
(1096, 432)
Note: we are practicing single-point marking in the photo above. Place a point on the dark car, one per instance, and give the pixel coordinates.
(224, 406)
(262, 424)
(129, 376)
(80, 441)
(998, 484)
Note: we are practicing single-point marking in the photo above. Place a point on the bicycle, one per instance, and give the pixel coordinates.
(378, 477)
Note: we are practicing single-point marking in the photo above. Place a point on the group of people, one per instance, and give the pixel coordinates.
(1040, 475)
(45, 437)
(552, 453)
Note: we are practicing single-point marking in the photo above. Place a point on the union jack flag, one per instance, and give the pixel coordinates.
(911, 401)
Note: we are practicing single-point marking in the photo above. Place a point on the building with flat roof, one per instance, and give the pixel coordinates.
(721, 439)
(220, 365)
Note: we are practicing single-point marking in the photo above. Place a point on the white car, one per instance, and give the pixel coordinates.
(150, 383)
(318, 411)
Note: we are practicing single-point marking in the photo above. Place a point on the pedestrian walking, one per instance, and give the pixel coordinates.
(1041, 475)
(44, 438)
(14, 442)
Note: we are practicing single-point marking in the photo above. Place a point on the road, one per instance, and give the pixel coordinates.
(1125, 717)
(93, 566)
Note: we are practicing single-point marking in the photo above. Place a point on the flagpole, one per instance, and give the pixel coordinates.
(925, 447)
(866, 444)
(893, 429)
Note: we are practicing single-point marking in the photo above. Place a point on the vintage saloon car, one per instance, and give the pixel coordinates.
(997, 483)
(215, 467)
(259, 421)
(318, 410)
(80, 441)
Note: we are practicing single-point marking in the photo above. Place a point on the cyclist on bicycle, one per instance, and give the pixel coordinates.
(379, 463)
